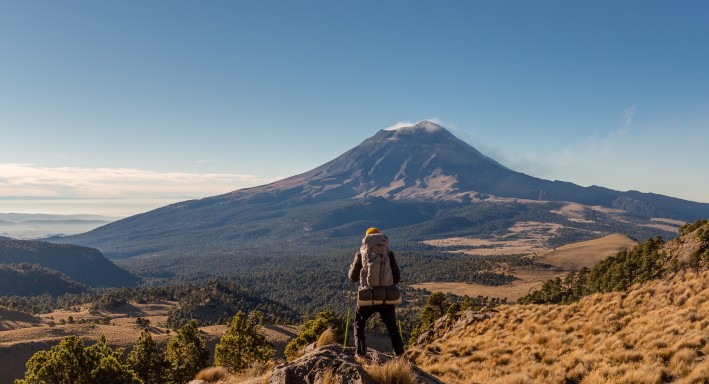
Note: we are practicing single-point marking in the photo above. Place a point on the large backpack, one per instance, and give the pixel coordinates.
(376, 267)
(376, 280)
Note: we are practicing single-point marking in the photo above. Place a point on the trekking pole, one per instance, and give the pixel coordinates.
(347, 322)
(398, 320)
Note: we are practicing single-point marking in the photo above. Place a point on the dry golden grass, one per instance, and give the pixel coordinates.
(528, 279)
(11, 319)
(327, 338)
(259, 373)
(395, 371)
(651, 334)
(213, 374)
(572, 257)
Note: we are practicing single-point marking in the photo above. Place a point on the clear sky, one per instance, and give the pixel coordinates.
(118, 107)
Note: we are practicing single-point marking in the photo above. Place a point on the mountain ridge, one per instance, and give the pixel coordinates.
(83, 264)
(422, 173)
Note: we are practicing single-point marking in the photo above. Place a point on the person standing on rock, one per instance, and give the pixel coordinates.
(377, 272)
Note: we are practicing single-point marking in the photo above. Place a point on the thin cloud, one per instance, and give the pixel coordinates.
(28, 180)
(574, 162)
(400, 124)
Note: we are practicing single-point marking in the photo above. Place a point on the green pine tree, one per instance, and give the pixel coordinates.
(186, 353)
(243, 344)
(70, 363)
(111, 370)
(148, 360)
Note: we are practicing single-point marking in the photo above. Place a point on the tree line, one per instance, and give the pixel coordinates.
(642, 263)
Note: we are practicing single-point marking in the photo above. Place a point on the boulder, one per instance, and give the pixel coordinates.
(312, 367)
(338, 362)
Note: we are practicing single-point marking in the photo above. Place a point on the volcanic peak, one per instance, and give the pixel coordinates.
(425, 125)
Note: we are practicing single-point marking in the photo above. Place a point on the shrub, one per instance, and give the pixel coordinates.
(243, 343)
(70, 363)
(311, 331)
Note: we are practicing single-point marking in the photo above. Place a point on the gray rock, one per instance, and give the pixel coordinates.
(313, 365)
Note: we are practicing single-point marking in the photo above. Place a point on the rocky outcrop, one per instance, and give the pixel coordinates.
(448, 324)
(340, 364)
(692, 246)
(333, 364)
(313, 366)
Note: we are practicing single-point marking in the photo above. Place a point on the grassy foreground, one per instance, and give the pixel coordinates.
(654, 333)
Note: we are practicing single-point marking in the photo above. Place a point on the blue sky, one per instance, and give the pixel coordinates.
(117, 107)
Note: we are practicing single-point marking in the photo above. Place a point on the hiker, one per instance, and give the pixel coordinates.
(374, 266)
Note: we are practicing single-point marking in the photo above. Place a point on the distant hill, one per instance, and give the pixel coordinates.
(418, 182)
(33, 226)
(82, 264)
(572, 257)
(33, 280)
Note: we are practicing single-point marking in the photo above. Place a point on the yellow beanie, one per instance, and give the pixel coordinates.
(372, 230)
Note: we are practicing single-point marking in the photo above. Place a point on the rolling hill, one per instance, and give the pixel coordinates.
(32, 280)
(82, 264)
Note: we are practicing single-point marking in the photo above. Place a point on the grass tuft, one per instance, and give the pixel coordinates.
(395, 371)
(327, 338)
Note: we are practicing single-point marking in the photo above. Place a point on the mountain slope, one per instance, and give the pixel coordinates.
(85, 265)
(653, 333)
(421, 176)
(427, 162)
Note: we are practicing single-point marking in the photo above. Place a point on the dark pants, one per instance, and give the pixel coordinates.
(388, 314)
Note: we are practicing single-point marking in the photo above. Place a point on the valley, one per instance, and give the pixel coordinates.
(551, 263)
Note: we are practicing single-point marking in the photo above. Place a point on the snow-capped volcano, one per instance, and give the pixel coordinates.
(401, 172)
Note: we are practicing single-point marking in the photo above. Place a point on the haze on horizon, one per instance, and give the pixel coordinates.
(120, 108)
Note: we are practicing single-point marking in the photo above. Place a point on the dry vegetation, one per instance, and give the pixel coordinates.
(653, 334)
(11, 319)
(566, 258)
(572, 257)
(395, 371)
(258, 374)
(528, 279)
